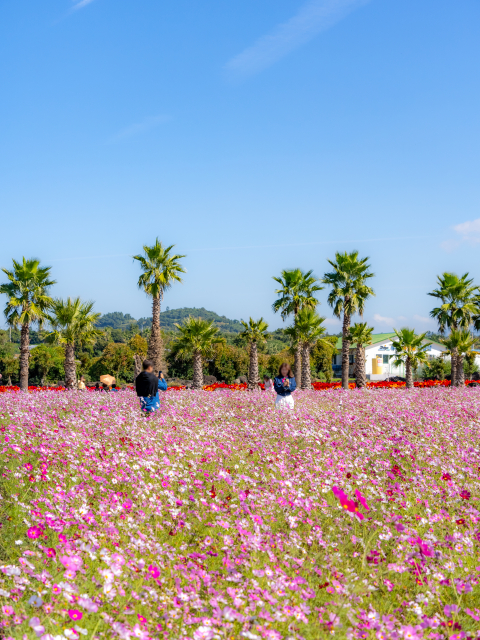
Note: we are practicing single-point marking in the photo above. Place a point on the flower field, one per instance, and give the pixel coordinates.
(355, 516)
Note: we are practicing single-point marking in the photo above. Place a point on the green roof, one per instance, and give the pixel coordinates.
(381, 337)
(376, 338)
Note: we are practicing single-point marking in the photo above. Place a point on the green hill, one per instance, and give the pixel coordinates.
(168, 319)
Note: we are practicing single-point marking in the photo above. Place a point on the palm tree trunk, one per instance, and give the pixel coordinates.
(197, 370)
(24, 356)
(253, 367)
(155, 345)
(409, 374)
(360, 373)
(460, 373)
(137, 366)
(306, 373)
(345, 350)
(453, 359)
(70, 367)
(298, 365)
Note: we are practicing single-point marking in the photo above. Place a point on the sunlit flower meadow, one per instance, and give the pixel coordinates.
(355, 516)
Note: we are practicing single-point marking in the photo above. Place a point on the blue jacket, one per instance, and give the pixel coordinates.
(281, 390)
(162, 384)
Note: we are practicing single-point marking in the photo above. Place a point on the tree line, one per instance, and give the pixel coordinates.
(72, 323)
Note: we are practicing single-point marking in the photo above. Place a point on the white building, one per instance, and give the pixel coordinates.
(378, 361)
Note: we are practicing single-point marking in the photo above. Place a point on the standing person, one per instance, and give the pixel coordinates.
(147, 385)
(284, 385)
(268, 382)
(81, 384)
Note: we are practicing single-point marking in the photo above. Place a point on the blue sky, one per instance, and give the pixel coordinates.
(255, 135)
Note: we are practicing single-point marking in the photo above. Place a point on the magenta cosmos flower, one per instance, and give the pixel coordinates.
(155, 571)
(34, 532)
(75, 614)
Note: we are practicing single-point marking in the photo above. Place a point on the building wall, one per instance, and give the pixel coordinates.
(384, 350)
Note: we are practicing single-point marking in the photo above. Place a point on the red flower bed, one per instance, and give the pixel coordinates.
(317, 386)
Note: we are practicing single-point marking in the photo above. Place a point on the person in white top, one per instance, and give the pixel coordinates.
(268, 382)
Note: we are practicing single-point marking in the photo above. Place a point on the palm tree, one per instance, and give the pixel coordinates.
(460, 305)
(348, 296)
(253, 334)
(160, 271)
(197, 340)
(361, 335)
(28, 303)
(73, 324)
(410, 350)
(297, 291)
(461, 343)
(305, 333)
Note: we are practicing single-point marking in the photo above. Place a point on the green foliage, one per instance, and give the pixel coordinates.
(171, 317)
(361, 334)
(27, 292)
(459, 301)
(409, 346)
(297, 291)
(321, 357)
(160, 269)
(308, 327)
(254, 331)
(118, 335)
(46, 364)
(138, 345)
(196, 336)
(116, 360)
(348, 281)
(115, 320)
(7, 349)
(435, 369)
(73, 323)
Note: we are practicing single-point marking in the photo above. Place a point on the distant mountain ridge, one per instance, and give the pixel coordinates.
(168, 319)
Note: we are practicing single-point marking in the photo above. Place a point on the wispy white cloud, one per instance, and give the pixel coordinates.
(466, 232)
(81, 4)
(424, 319)
(139, 127)
(469, 231)
(314, 16)
(332, 322)
(383, 319)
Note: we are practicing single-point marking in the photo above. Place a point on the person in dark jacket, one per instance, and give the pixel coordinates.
(147, 385)
(284, 385)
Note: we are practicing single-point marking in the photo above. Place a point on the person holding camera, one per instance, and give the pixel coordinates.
(147, 385)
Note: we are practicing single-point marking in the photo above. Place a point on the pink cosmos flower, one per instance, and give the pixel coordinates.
(127, 504)
(362, 500)
(155, 571)
(8, 611)
(71, 563)
(348, 505)
(51, 553)
(75, 614)
(34, 532)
